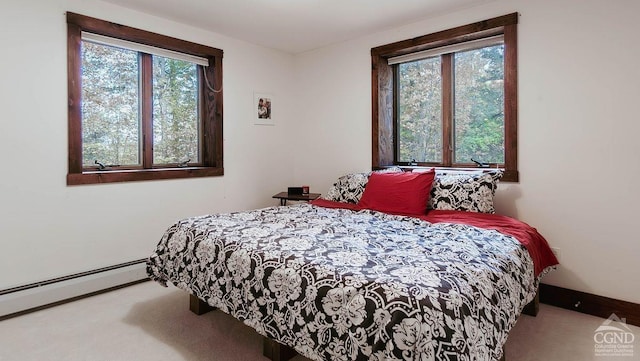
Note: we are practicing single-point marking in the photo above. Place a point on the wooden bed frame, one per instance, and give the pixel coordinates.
(276, 351)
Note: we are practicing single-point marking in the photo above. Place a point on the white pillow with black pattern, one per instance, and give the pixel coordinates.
(349, 188)
(464, 192)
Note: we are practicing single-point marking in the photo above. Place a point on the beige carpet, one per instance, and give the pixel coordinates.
(150, 322)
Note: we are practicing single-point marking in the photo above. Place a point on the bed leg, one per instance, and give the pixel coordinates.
(276, 351)
(533, 307)
(198, 306)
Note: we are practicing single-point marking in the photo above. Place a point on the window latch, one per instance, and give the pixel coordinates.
(480, 164)
(103, 166)
(184, 164)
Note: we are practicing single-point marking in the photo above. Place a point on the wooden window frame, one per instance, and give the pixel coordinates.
(211, 163)
(385, 97)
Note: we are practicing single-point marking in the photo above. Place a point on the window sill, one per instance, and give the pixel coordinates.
(113, 176)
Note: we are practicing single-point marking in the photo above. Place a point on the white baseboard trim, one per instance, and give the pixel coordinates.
(40, 295)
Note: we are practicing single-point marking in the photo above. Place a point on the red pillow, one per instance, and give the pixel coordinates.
(398, 193)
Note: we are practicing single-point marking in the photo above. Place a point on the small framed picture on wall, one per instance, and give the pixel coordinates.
(263, 108)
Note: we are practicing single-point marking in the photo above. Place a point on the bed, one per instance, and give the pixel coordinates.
(338, 280)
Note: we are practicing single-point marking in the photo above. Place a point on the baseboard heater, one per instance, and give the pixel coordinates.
(16, 301)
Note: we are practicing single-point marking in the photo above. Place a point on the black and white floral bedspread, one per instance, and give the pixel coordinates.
(337, 284)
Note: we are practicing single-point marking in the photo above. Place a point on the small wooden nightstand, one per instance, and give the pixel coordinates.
(284, 197)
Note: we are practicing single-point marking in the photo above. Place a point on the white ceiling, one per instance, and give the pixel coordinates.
(295, 26)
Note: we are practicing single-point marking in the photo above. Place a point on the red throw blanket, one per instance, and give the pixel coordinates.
(528, 236)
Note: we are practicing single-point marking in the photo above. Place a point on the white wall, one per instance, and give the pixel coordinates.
(49, 230)
(579, 154)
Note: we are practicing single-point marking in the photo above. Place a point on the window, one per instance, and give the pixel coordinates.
(448, 99)
(142, 106)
